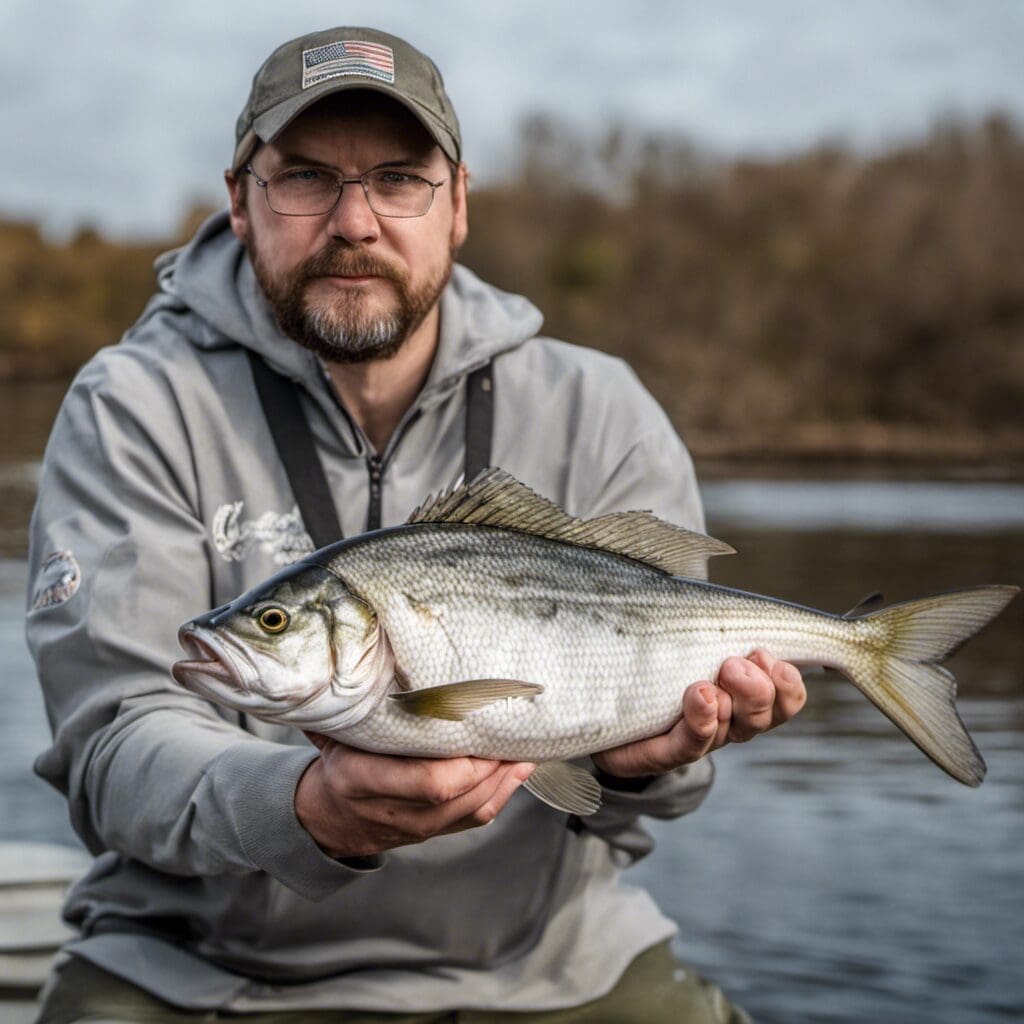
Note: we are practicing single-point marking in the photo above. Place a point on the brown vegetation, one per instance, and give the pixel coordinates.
(822, 303)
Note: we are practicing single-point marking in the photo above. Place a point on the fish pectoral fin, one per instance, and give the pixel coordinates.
(566, 787)
(456, 700)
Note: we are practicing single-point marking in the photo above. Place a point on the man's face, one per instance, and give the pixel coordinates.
(349, 284)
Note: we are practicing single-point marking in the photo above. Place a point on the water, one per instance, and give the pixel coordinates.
(834, 874)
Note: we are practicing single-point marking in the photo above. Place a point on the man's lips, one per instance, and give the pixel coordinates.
(351, 278)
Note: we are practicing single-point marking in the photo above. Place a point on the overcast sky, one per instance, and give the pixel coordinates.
(121, 113)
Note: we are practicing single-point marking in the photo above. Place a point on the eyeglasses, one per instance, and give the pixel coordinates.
(312, 191)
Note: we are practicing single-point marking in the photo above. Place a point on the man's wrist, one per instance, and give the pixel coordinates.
(309, 807)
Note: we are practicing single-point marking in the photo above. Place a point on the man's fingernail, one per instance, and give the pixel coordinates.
(708, 693)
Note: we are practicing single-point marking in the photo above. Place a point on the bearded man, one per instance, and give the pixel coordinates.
(314, 363)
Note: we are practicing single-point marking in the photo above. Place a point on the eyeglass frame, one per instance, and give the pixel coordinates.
(341, 182)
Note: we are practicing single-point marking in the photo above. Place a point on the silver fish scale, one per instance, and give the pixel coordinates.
(613, 641)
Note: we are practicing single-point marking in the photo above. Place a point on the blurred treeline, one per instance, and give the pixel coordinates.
(826, 302)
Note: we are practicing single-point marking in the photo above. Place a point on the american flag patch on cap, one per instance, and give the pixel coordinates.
(348, 57)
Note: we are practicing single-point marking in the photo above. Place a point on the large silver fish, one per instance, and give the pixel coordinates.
(494, 624)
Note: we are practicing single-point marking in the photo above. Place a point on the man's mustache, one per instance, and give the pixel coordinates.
(338, 262)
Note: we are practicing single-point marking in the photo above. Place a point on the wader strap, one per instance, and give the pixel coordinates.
(294, 442)
(293, 439)
(479, 420)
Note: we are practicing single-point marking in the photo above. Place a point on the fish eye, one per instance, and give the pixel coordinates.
(273, 619)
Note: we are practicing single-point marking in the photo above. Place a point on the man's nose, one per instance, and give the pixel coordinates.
(352, 218)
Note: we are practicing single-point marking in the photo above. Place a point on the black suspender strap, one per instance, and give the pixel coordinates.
(294, 442)
(479, 420)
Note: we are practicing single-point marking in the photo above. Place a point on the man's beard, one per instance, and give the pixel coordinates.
(339, 330)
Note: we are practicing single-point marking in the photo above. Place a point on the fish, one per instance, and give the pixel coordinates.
(493, 623)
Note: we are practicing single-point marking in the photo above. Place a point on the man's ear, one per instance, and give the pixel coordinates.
(238, 188)
(460, 205)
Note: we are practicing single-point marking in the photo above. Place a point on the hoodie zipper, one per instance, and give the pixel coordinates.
(375, 465)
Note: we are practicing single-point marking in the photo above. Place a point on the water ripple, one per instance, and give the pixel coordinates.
(865, 506)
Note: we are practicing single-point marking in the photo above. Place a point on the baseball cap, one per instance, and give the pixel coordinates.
(304, 70)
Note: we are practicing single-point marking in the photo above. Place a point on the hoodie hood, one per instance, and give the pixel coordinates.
(213, 277)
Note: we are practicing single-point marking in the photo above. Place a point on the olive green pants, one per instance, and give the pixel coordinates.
(654, 989)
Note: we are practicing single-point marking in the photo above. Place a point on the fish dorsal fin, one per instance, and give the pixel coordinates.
(495, 498)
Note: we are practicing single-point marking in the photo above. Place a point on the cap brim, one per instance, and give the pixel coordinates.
(268, 125)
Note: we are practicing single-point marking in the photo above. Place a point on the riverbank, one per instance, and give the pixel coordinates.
(861, 451)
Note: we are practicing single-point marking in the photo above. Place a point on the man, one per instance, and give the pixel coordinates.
(240, 868)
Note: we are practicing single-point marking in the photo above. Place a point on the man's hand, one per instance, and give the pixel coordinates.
(753, 695)
(355, 804)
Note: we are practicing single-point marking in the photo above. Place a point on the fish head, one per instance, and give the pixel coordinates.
(285, 645)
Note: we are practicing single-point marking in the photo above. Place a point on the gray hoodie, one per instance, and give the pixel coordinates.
(162, 495)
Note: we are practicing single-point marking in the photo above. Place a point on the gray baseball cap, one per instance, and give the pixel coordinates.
(304, 70)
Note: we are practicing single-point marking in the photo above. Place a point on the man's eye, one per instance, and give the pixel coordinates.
(394, 179)
(303, 174)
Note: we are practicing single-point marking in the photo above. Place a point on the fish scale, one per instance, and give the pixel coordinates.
(614, 657)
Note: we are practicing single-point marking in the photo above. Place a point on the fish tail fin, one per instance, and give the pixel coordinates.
(896, 666)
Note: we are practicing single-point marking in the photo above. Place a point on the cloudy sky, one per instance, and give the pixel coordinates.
(120, 113)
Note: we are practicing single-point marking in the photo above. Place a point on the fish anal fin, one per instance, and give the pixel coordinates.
(566, 787)
(453, 701)
(495, 498)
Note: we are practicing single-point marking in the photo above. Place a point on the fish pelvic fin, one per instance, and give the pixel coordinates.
(454, 701)
(897, 668)
(566, 787)
(495, 498)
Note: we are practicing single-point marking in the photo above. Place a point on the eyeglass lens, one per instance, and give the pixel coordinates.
(311, 190)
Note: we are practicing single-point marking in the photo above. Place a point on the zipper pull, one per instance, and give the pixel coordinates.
(375, 467)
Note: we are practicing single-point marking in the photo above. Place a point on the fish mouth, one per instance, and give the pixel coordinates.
(215, 668)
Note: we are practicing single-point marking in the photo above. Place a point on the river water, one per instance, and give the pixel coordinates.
(834, 874)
